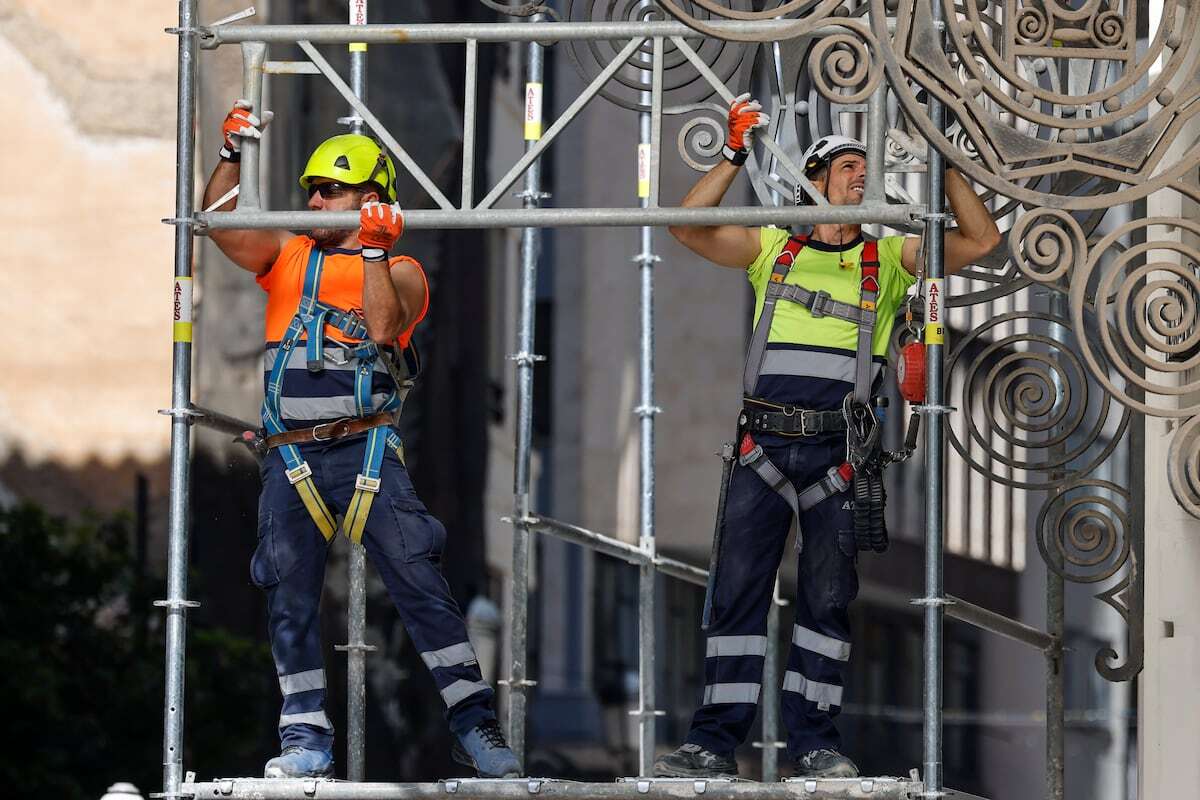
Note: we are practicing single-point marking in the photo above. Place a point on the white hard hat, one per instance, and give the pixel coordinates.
(820, 154)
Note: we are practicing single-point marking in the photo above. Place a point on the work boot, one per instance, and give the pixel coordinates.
(484, 749)
(693, 761)
(825, 764)
(299, 762)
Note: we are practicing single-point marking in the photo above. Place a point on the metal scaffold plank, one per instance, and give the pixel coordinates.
(631, 788)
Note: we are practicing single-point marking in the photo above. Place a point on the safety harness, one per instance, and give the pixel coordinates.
(863, 468)
(309, 322)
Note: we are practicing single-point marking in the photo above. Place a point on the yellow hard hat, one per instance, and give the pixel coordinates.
(353, 159)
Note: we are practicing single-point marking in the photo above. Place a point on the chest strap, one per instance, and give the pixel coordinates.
(758, 339)
(836, 480)
(820, 304)
(868, 296)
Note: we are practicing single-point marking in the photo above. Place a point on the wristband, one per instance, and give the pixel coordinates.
(735, 157)
(232, 156)
(374, 254)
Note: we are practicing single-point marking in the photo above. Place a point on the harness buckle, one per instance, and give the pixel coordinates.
(298, 474)
(334, 431)
(820, 299)
(367, 484)
(339, 356)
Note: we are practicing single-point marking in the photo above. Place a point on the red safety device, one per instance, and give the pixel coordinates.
(910, 372)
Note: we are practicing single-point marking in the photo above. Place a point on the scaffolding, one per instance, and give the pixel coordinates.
(648, 215)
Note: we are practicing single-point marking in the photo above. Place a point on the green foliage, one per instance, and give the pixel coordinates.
(82, 658)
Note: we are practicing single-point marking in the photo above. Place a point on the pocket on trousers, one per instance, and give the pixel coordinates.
(264, 571)
(418, 535)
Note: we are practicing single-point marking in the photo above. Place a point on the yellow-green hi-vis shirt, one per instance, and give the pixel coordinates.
(809, 360)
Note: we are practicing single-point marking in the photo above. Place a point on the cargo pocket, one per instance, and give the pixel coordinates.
(264, 571)
(418, 535)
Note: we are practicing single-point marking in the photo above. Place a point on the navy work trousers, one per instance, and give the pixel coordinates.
(757, 522)
(404, 542)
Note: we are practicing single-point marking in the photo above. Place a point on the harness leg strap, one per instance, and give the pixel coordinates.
(366, 486)
(301, 478)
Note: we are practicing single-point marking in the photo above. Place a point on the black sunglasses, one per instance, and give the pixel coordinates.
(331, 190)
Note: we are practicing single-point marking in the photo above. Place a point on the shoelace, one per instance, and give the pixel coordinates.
(492, 734)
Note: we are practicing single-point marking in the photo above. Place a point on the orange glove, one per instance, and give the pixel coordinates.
(744, 116)
(239, 124)
(379, 227)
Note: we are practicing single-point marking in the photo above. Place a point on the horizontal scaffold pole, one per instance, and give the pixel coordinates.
(618, 549)
(1000, 625)
(457, 33)
(632, 789)
(427, 219)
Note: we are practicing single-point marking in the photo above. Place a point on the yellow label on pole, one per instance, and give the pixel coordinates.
(182, 331)
(935, 328)
(533, 112)
(358, 16)
(643, 170)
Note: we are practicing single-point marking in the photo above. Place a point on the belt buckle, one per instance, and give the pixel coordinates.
(805, 416)
(333, 433)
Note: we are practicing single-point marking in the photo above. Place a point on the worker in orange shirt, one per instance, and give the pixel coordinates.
(338, 363)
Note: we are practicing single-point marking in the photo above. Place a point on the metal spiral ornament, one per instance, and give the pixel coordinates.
(1146, 297)
(1026, 404)
(1183, 466)
(1047, 244)
(816, 13)
(683, 85)
(1034, 134)
(842, 67)
(1083, 531)
(700, 141)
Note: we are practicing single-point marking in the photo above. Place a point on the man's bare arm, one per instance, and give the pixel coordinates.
(252, 250)
(727, 245)
(975, 236)
(392, 298)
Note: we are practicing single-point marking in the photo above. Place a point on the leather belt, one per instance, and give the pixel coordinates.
(792, 421)
(331, 431)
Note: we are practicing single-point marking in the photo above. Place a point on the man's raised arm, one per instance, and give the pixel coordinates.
(975, 236)
(727, 245)
(252, 250)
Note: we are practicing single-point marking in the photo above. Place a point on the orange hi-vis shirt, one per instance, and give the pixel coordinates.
(332, 391)
(341, 287)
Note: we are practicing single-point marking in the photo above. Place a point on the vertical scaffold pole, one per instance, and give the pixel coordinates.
(531, 242)
(770, 691)
(649, 139)
(934, 600)
(177, 603)
(356, 612)
(1056, 600)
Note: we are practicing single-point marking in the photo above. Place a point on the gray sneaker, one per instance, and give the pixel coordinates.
(825, 764)
(484, 749)
(300, 762)
(693, 761)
